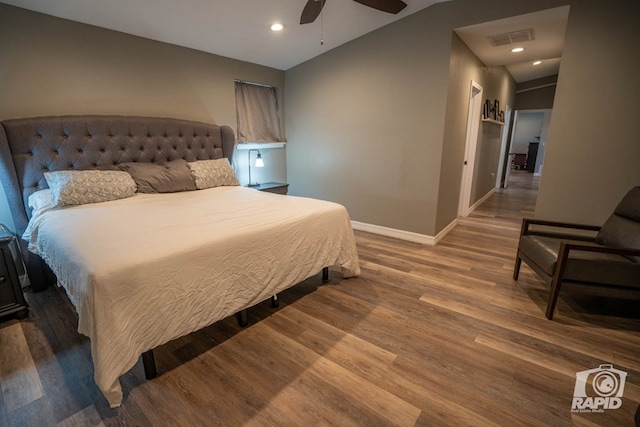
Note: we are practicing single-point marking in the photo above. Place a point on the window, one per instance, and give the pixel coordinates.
(257, 113)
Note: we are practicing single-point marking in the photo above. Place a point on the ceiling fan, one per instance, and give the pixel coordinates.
(313, 8)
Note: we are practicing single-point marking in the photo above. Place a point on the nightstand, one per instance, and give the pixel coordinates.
(272, 187)
(11, 297)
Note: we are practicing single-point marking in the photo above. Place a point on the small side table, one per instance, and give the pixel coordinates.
(11, 297)
(272, 187)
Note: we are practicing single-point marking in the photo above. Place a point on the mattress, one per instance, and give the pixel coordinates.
(147, 269)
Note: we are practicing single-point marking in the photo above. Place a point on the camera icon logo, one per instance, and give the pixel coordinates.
(598, 389)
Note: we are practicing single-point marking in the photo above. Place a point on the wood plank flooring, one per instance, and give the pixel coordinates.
(429, 336)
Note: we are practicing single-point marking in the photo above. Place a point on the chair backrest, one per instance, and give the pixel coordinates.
(622, 229)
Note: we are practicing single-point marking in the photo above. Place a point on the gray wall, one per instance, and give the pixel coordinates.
(366, 121)
(359, 125)
(593, 153)
(536, 94)
(52, 66)
(498, 85)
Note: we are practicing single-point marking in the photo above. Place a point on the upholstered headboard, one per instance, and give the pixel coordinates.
(31, 146)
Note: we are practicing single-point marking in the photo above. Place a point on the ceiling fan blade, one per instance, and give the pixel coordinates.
(311, 11)
(390, 6)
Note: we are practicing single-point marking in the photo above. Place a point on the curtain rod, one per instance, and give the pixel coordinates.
(252, 83)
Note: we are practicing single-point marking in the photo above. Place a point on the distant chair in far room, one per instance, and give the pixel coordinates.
(608, 260)
(519, 161)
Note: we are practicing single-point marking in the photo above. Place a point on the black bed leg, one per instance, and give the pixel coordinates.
(275, 303)
(325, 274)
(149, 363)
(241, 316)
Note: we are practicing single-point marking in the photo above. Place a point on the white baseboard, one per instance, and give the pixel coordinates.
(446, 230)
(409, 236)
(482, 200)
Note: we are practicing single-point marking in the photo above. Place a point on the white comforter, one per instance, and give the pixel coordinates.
(151, 268)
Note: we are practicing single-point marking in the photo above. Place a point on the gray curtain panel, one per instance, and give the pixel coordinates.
(257, 112)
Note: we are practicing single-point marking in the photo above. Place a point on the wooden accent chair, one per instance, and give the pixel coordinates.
(608, 260)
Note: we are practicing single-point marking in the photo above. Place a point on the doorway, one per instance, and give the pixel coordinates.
(471, 143)
(528, 142)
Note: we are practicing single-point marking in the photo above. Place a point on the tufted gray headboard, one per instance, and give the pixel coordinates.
(31, 146)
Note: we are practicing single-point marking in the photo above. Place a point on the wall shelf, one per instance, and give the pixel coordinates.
(495, 122)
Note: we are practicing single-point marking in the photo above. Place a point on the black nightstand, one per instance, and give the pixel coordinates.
(272, 187)
(11, 297)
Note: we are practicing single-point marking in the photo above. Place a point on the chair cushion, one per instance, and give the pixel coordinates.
(588, 267)
(622, 229)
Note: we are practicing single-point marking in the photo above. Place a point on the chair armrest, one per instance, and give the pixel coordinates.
(567, 247)
(526, 222)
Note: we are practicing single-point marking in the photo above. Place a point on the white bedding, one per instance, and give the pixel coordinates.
(151, 268)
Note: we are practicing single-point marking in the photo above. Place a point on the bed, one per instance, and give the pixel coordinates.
(146, 268)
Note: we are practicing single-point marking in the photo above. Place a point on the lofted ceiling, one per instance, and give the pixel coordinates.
(239, 29)
(236, 29)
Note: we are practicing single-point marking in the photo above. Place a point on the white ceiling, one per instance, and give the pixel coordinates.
(239, 29)
(548, 29)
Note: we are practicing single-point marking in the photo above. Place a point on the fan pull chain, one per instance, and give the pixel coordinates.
(321, 23)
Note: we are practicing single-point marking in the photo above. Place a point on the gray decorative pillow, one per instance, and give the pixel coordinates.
(213, 173)
(170, 177)
(73, 187)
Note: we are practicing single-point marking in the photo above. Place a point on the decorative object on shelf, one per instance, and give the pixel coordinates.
(259, 164)
(491, 112)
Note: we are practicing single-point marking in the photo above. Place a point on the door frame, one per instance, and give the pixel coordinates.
(500, 183)
(471, 145)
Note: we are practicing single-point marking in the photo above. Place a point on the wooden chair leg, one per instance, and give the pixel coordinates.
(516, 268)
(553, 297)
(561, 265)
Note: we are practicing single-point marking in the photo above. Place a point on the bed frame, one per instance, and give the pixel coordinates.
(31, 146)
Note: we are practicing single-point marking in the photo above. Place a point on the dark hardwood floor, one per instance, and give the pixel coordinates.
(431, 336)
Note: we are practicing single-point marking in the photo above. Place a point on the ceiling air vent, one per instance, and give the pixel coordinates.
(512, 37)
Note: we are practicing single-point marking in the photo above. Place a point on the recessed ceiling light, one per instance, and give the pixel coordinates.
(537, 62)
(517, 49)
(277, 27)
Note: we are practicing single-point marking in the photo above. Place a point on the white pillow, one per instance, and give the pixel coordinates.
(71, 187)
(40, 202)
(213, 173)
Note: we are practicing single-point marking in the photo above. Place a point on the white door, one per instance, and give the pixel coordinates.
(473, 125)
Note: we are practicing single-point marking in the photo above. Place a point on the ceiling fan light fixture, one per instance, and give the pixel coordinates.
(277, 27)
